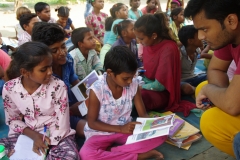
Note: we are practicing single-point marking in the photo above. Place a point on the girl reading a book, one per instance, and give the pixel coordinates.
(110, 105)
(39, 98)
(161, 60)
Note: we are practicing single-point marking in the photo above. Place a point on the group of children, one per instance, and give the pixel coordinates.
(37, 91)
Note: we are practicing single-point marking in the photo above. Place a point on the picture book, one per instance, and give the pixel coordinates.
(151, 128)
(79, 90)
(177, 125)
(150, 124)
(186, 141)
(183, 147)
(10, 42)
(186, 131)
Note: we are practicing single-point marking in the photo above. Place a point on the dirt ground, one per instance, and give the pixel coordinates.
(8, 21)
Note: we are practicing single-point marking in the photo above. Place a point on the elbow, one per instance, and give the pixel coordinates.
(234, 110)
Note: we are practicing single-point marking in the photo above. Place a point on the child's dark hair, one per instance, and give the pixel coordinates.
(175, 12)
(79, 34)
(120, 59)
(27, 56)
(26, 18)
(149, 24)
(47, 33)
(40, 6)
(185, 33)
(108, 23)
(116, 7)
(121, 26)
(63, 11)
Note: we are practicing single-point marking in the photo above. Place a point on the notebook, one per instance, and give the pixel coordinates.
(23, 150)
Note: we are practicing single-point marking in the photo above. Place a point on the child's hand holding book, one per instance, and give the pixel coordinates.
(39, 144)
(128, 128)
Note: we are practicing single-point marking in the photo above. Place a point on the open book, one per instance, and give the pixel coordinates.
(151, 128)
(23, 149)
(10, 42)
(79, 90)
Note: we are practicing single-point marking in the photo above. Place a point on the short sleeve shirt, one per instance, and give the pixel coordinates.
(111, 112)
(229, 53)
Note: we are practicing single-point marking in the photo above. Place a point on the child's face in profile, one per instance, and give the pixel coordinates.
(28, 28)
(180, 17)
(62, 20)
(197, 42)
(89, 41)
(135, 3)
(98, 4)
(45, 14)
(123, 12)
(130, 31)
(123, 79)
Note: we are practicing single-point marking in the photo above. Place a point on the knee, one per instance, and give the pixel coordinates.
(187, 89)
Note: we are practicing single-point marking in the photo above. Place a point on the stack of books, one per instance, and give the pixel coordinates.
(182, 134)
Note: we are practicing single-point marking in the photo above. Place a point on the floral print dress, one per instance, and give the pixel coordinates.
(48, 105)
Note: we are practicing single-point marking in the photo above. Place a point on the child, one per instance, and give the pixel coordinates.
(110, 106)
(127, 37)
(152, 7)
(177, 23)
(43, 12)
(84, 56)
(20, 11)
(188, 36)
(96, 20)
(161, 60)
(134, 13)
(53, 36)
(119, 12)
(41, 99)
(172, 4)
(27, 22)
(64, 20)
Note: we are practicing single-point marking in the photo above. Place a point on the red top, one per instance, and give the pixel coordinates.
(144, 10)
(229, 53)
(162, 62)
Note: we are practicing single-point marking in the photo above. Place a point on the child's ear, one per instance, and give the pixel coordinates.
(109, 71)
(25, 27)
(80, 44)
(124, 33)
(24, 72)
(154, 35)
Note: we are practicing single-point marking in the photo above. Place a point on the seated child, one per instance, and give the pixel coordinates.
(110, 105)
(188, 36)
(64, 20)
(20, 11)
(43, 12)
(151, 7)
(96, 19)
(27, 22)
(177, 23)
(52, 35)
(41, 99)
(84, 56)
(127, 37)
(134, 13)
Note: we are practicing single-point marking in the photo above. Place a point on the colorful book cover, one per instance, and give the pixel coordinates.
(177, 125)
(187, 141)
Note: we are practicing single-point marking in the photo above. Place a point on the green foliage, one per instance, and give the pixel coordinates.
(4, 5)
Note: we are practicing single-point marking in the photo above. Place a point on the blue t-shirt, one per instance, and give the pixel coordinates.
(112, 36)
(68, 77)
(68, 24)
(132, 15)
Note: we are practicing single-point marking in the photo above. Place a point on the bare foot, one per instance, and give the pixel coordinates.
(151, 154)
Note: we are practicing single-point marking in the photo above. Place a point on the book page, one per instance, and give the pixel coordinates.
(79, 90)
(23, 150)
(147, 135)
(10, 42)
(150, 124)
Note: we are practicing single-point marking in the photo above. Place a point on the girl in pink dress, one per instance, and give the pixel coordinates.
(110, 105)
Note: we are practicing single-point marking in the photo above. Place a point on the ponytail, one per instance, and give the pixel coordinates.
(149, 24)
(116, 7)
